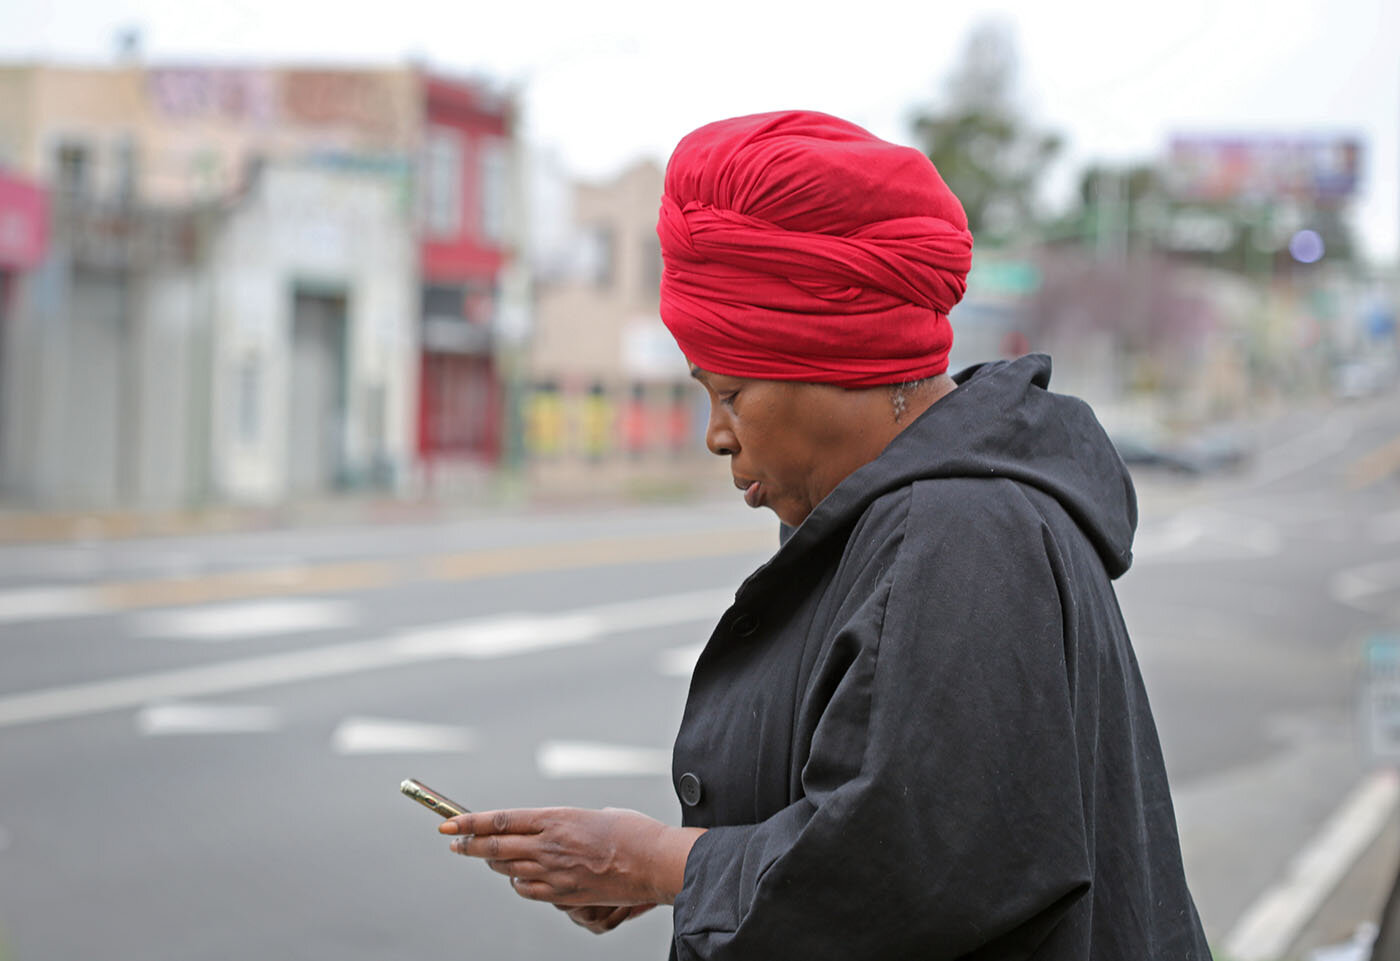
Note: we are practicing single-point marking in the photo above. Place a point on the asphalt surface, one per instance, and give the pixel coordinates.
(201, 737)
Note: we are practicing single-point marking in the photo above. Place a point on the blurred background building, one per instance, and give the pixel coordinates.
(611, 405)
(1177, 292)
(305, 339)
(252, 285)
(249, 284)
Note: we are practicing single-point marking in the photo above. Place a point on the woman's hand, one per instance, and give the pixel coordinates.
(579, 858)
(602, 918)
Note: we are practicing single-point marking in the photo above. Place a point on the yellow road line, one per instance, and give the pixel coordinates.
(492, 562)
(569, 555)
(1371, 468)
(237, 585)
(23, 527)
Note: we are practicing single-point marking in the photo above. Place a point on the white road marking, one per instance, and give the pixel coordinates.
(226, 622)
(525, 633)
(1385, 529)
(1358, 586)
(1208, 535)
(370, 735)
(1257, 538)
(41, 603)
(1265, 931)
(1302, 452)
(187, 718)
(563, 759)
(481, 638)
(1176, 534)
(679, 661)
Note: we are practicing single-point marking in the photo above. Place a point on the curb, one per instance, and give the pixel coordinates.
(1278, 919)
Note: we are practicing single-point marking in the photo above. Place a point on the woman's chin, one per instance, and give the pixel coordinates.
(788, 514)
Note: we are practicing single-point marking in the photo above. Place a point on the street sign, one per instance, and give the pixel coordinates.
(1003, 278)
(1381, 696)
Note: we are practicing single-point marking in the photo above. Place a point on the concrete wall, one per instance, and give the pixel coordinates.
(611, 407)
(101, 397)
(32, 379)
(16, 123)
(584, 322)
(172, 312)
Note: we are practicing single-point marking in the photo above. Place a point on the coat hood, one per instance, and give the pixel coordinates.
(1001, 421)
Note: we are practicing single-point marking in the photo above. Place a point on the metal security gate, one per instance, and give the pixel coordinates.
(98, 428)
(316, 418)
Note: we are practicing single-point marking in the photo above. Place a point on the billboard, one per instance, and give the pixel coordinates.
(1229, 169)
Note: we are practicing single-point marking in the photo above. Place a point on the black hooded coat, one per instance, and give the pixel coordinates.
(920, 731)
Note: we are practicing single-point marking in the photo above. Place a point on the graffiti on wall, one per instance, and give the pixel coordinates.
(337, 98)
(232, 95)
(361, 100)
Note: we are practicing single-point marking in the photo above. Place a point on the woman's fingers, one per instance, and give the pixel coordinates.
(533, 880)
(601, 919)
(520, 821)
(530, 870)
(498, 847)
(604, 921)
(533, 890)
(577, 856)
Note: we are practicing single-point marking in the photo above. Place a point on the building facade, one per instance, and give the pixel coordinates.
(315, 369)
(611, 400)
(24, 229)
(243, 281)
(466, 205)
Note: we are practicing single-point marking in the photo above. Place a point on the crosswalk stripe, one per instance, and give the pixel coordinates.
(183, 717)
(226, 622)
(480, 638)
(42, 603)
(564, 759)
(301, 579)
(375, 735)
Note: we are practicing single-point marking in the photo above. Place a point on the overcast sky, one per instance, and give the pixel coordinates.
(606, 81)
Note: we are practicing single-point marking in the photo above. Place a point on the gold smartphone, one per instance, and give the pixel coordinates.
(431, 799)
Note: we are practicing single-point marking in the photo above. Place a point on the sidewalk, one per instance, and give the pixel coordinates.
(1358, 899)
(25, 527)
(547, 486)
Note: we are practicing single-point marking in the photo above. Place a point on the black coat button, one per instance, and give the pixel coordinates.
(744, 625)
(690, 790)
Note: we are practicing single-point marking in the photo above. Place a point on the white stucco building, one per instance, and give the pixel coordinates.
(313, 318)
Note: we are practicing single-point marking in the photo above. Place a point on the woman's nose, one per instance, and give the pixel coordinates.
(719, 436)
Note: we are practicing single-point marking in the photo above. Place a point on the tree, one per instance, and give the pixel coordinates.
(980, 143)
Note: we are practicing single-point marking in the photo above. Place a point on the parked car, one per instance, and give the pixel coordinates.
(1208, 451)
(1361, 378)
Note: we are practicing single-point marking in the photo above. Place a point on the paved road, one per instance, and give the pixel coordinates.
(201, 738)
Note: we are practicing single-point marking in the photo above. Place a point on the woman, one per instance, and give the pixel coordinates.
(920, 731)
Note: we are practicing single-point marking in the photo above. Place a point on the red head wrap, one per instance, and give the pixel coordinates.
(798, 246)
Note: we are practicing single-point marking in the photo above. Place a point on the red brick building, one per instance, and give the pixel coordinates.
(464, 247)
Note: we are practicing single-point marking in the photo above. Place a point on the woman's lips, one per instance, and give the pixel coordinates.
(753, 494)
